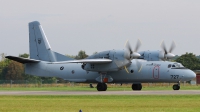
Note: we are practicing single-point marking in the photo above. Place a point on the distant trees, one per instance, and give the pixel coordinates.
(189, 60)
(81, 55)
(25, 55)
(3, 66)
(174, 58)
(14, 71)
(11, 70)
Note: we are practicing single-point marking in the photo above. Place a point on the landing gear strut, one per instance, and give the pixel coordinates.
(101, 87)
(136, 87)
(176, 87)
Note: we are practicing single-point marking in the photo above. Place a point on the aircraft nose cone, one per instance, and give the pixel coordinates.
(190, 75)
(193, 75)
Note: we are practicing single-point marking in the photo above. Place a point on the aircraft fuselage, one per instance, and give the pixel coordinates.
(151, 71)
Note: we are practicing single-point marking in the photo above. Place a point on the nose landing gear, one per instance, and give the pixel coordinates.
(176, 86)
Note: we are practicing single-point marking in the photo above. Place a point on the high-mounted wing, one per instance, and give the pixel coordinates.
(83, 61)
(22, 60)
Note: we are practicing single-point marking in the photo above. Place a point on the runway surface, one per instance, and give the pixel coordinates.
(160, 92)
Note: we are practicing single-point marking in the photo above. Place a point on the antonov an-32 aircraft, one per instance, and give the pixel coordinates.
(112, 66)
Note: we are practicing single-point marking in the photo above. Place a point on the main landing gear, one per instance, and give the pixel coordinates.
(137, 87)
(101, 87)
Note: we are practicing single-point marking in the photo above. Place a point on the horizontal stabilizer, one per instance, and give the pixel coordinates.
(22, 60)
(83, 61)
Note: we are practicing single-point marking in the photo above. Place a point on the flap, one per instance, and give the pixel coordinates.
(84, 61)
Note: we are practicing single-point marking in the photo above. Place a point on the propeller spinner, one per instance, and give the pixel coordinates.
(168, 54)
(130, 54)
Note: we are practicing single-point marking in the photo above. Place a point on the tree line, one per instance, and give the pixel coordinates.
(12, 70)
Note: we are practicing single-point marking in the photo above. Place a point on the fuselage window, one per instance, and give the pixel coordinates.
(169, 66)
(173, 66)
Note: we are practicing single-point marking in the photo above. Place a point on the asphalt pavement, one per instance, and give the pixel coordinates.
(155, 92)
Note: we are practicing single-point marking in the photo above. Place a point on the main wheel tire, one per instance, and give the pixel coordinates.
(139, 87)
(101, 87)
(176, 87)
(105, 86)
(136, 87)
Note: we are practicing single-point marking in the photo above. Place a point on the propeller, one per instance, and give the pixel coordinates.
(168, 54)
(130, 53)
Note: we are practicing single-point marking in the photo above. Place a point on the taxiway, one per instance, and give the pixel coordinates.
(160, 92)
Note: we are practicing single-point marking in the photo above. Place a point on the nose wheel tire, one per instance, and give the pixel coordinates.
(136, 87)
(101, 87)
(176, 87)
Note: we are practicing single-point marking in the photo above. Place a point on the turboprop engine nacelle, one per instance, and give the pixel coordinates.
(120, 59)
(155, 55)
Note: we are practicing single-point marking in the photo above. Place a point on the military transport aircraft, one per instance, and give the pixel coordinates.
(112, 66)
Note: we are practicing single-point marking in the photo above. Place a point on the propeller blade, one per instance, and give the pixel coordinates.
(163, 47)
(173, 45)
(126, 69)
(139, 65)
(138, 44)
(128, 46)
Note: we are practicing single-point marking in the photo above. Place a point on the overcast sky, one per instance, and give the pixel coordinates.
(99, 25)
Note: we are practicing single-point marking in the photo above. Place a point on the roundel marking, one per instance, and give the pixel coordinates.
(62, 67)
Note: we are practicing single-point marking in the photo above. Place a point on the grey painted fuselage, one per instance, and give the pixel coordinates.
(151, 71)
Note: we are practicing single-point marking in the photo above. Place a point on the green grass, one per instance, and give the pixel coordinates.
(101, 103)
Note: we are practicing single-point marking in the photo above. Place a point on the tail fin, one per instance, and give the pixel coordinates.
(39, 46)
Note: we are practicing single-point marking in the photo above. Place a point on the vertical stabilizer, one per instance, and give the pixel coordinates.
(39, 46)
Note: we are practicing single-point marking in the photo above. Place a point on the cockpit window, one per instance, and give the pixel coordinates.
(177, 65)
(169, 66)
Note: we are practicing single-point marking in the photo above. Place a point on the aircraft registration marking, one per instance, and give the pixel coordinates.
(153, 64)
(174, 76)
